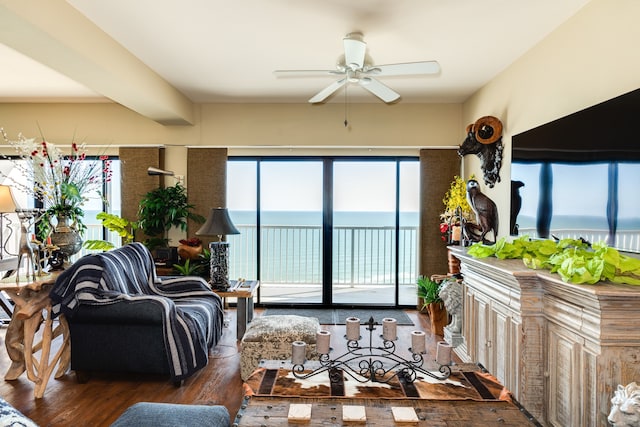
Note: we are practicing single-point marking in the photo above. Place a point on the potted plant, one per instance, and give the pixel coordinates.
(164, 208)
(196, 266)
(456, 211)
(63, 183)
(116, 224)
(429, 294)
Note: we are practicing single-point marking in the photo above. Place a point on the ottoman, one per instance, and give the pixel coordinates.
(152, 414)
(270, 338)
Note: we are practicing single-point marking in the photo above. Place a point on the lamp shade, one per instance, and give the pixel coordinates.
(218, 224)
(7, 202)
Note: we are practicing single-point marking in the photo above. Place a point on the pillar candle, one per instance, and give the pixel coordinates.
(353, 328)
(389, 328)
(456, 233)
(443, 353)
(323, 342)
(298, 352)
(418, 342)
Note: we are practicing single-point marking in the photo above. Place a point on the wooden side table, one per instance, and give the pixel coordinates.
(31, 313)
(244, 292)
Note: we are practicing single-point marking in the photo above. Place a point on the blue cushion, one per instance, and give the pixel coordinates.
(148, 414)
(10, 416)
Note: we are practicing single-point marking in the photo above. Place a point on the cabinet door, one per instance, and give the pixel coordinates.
(564, 378)
(503, 347)
(482, 347)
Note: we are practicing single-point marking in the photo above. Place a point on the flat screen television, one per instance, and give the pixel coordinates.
(577, 176)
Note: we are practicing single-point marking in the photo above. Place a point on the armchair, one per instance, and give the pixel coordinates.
(124, 318)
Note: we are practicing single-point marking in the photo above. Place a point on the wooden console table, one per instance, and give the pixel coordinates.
(244, 292)
(32, 312)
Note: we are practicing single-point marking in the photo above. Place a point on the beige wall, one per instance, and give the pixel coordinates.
(240, 125)
(591, 58)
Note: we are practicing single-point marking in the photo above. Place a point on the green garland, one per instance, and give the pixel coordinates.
(574, 260)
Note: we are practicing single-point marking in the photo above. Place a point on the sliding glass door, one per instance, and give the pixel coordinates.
(364, 206)
(325, 231)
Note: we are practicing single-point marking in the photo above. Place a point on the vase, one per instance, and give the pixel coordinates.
(189, 252)
(66, 237)
(454, 263)
(438, 317)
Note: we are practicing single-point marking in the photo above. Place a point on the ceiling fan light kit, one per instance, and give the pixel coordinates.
(354, 66)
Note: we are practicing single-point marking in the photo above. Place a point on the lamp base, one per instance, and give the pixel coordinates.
(219, 265)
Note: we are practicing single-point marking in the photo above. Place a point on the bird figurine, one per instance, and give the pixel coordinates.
(485, 209)
(516, 204)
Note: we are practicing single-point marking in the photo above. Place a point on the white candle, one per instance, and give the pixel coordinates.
(418, 342)
(323, 342)
(389, 328)
(298, 352)
(353, 328)
(443, 353)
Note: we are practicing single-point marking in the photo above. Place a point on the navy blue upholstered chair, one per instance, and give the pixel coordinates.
(124, 318)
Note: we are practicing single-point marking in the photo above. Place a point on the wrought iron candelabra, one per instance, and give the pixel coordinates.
(369, 363)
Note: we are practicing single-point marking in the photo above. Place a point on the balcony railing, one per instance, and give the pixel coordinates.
(626, 240)
(293, 254)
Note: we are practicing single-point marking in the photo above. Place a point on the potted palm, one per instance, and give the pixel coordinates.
(429, 295)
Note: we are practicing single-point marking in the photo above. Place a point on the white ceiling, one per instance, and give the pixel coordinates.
(216, 51)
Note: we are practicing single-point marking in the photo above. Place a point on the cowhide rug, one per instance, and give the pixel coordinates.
(473, 385)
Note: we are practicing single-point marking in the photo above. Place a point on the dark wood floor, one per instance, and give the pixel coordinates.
(100, 401)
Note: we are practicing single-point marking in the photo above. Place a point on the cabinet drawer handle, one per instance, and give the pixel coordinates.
(488, 344)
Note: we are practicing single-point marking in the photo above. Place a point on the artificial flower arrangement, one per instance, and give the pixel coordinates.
(62, 182)
(456, 209)
(575, 260)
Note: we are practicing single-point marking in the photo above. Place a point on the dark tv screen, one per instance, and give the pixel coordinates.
(578, 178)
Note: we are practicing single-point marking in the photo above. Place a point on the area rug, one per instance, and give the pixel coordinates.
(337, 316)
(461, 385)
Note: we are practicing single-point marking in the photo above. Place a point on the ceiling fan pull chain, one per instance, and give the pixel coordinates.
(346, 122)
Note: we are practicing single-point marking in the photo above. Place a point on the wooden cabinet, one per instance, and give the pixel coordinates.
(560, 348)
(494, 331)
(493, 336)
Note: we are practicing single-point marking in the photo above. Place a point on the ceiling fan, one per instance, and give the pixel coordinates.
(356, 67)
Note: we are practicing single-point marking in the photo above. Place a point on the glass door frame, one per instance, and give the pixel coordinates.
(327, 226)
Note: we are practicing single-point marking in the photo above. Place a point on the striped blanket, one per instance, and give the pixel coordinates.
(193, 315)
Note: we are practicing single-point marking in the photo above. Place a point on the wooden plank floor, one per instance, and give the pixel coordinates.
(100, 401)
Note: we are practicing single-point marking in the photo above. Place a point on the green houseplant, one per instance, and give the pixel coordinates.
(123, 227)
(164, 208)
(429, 294)
(197, 266)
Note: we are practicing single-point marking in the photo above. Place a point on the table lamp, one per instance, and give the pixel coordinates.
(7, 205)
(218, 224)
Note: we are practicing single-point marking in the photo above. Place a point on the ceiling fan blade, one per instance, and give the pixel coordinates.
(294, 73)
(326, 92)
(405, 69)
(378, 89)
(354, 51)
